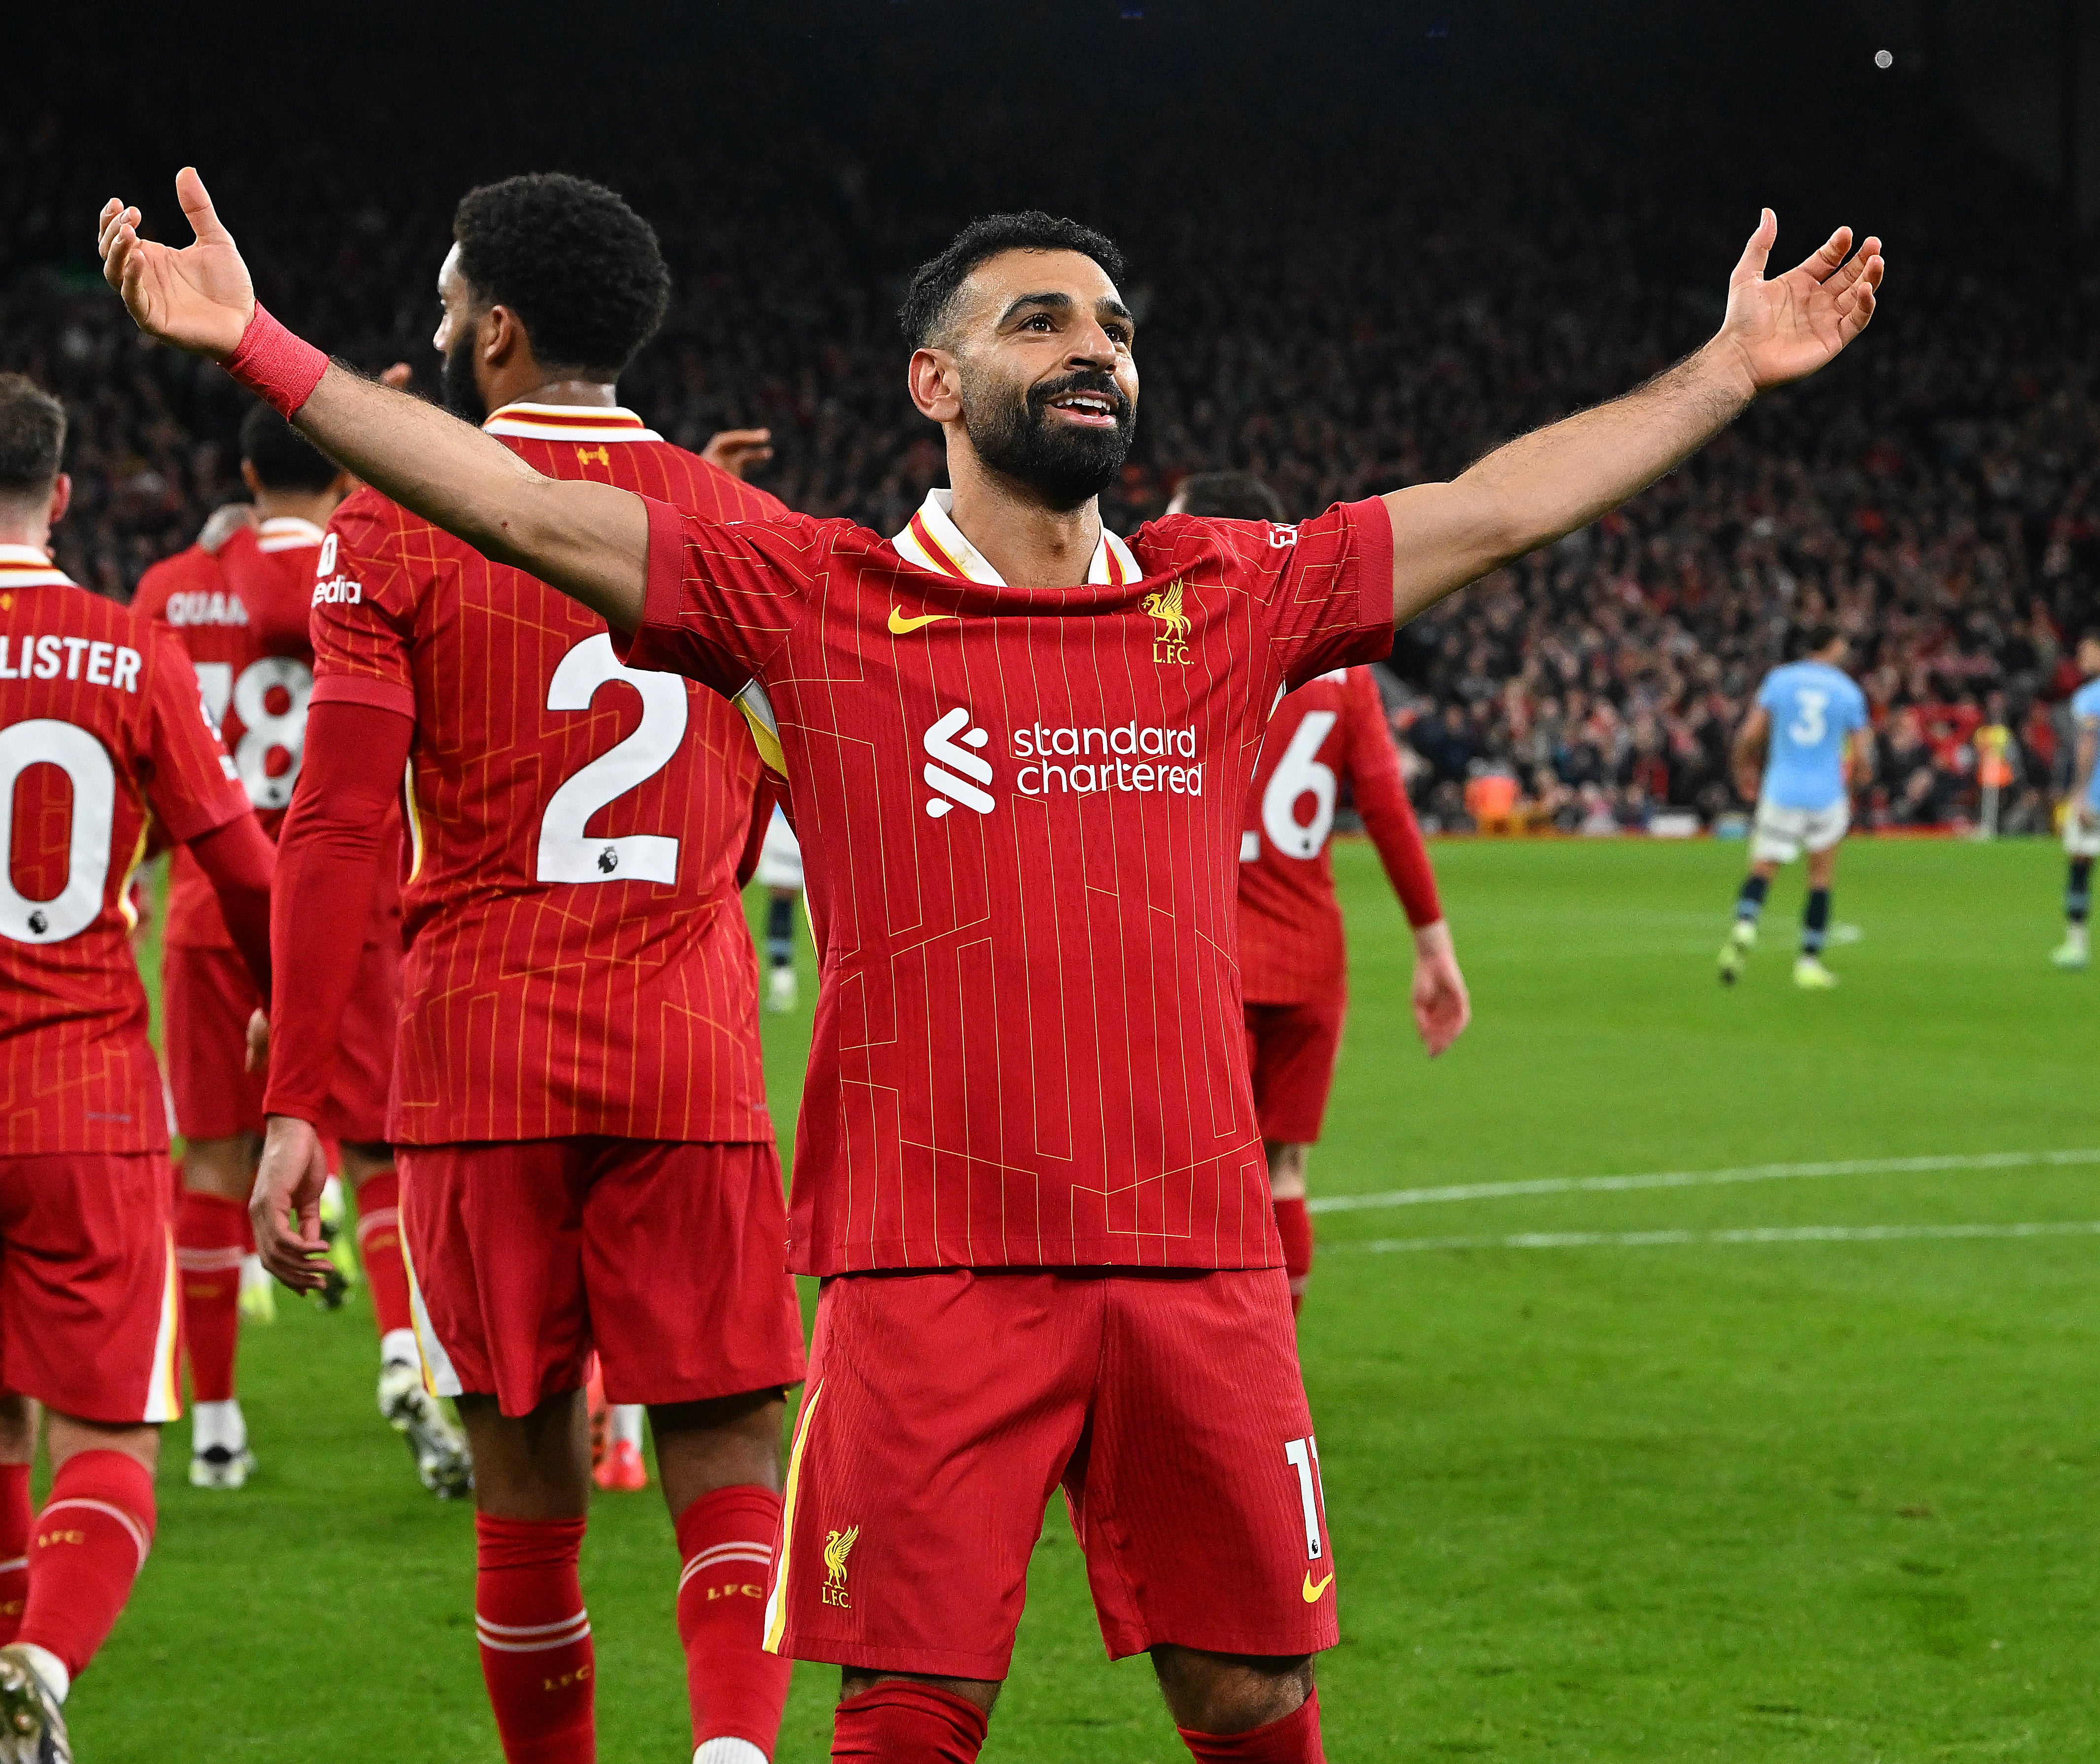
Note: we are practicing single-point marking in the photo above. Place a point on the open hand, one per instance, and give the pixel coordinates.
(198, 298)
(1442, 1008)
(739, 451)
(1786, 328)
(286, 1208)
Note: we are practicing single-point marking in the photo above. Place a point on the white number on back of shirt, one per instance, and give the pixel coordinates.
(1297, 774)
(566, 853)
(263, 730)
(44, 740)
(1809, 725)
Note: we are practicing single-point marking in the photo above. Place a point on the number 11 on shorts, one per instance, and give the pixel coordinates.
(1305, 1458)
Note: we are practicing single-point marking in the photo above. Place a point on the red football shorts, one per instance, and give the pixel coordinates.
(88, 1301)
(208, 998)
(1291, 1050)
(668, 1258)
(944, 1410)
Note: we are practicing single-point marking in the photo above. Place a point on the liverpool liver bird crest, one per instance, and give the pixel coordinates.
(837, 1547)
(1166, 607)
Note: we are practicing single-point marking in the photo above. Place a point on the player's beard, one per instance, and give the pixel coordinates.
(462, 397)
(1063, 463)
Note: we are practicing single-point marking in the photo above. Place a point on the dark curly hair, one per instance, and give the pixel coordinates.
(579, 267)
(934, 282)
(283, 458)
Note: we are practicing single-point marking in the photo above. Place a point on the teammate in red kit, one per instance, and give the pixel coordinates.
(240, 609)
(1294, 966)
(579, 1100)
(103, 747)
(1027, 1157)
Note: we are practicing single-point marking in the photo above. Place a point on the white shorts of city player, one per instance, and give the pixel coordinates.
(1780, 835)
(2082, 832)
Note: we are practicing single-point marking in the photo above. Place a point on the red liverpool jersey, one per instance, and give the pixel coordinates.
(242, 616)
(102, 739)
(578, 960)
(1327, 734)
(1019, 811)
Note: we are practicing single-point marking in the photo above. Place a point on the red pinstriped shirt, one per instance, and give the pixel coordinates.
(104, 745)
(578, 961)
(1020, 816)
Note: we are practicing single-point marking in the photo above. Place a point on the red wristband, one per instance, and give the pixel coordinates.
(280, 368)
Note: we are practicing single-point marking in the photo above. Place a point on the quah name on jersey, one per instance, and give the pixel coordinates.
(46, 658)
(199, 606)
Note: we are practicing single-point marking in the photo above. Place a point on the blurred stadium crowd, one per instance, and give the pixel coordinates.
(1936, 497)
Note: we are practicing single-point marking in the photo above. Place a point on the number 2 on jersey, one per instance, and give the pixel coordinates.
(566, 853)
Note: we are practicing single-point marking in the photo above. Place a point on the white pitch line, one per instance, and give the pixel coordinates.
(1642, 1240)
(1693, 1179)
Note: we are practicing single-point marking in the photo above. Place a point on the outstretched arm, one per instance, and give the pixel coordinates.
(589, 540)
(1549, 482)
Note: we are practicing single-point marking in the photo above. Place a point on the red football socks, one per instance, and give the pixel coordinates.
(536, 1641)
(379, 1249)
(15, 1519)
(1294, 1739)
(211, 1238)
(88, 1545)
(1295, 1226)
(899, 1723)
(725, 1543)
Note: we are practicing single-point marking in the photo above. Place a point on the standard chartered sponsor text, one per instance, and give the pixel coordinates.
(1125, 757)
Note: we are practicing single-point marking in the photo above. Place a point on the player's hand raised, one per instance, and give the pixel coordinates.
(199, 299)
(286, 1207)
(1789, 326)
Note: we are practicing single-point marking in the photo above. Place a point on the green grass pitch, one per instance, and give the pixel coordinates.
(1821, 1499)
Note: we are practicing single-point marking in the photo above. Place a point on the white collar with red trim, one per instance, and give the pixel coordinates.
(288, 532)
(30, 566)
(933, 542)
(569, 422)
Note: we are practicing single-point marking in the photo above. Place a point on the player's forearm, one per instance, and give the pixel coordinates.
(329, 853)
(1542, 485)
(591, 540)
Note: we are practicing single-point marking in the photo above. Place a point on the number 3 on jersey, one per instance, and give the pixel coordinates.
(567, 853)
(1811, 723)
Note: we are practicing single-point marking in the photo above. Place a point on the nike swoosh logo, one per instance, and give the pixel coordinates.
(901, 626)
(1312, 1593)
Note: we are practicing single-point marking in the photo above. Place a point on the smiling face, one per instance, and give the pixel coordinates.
(1035, 359)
